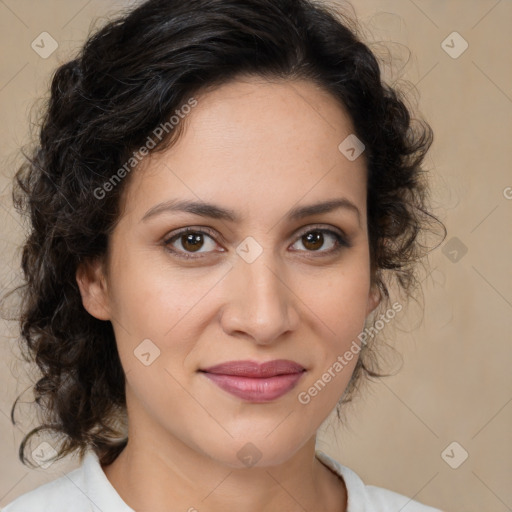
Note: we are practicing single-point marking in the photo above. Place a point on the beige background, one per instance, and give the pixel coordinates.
(455, 383)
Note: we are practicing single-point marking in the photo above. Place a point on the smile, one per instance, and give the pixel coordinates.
(256, 389)
(256, 382)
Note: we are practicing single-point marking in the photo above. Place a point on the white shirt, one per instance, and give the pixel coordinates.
(87, 489)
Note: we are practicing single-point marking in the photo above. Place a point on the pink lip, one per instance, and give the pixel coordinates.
(256, 382)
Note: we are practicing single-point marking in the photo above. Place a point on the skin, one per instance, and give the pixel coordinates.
(259, 148)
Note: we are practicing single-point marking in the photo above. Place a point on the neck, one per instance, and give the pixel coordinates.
(154, 475)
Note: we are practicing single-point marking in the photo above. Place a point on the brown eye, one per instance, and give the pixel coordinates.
(191, 241)
(314, 239)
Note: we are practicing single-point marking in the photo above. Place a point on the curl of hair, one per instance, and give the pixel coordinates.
(130, 76)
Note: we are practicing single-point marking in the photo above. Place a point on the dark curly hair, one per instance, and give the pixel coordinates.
(130, 76)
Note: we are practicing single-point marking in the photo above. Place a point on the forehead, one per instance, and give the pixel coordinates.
(288, 116)
(254, 143)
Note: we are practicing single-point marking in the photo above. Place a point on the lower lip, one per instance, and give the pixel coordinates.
(256, 389)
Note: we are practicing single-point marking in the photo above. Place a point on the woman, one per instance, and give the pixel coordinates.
(222, 194)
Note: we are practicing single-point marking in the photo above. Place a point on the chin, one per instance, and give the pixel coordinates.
(258, 450)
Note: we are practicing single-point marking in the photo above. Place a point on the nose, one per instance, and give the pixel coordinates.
(261, 304)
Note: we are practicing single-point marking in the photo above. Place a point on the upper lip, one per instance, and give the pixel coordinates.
(254, 369)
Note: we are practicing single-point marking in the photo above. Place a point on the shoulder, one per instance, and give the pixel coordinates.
(385, 500)
(370, 498)
(55, 496)
(85, 489)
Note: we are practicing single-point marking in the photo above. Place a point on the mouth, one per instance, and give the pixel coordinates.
(256, 382)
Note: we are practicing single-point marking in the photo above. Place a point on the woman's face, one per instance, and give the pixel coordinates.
(261, 286)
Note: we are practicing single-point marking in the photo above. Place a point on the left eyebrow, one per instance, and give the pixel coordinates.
(216, 212)
(300, 212)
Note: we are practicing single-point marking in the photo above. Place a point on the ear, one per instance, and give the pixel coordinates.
(374, 298)
(93, 288)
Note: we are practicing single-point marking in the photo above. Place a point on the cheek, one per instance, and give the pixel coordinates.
(150, 295)
(159, 313)
(340, 320)
(340, 316)
(339, 297)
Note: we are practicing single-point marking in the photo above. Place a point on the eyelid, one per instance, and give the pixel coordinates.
(193, 229)
(321, 227)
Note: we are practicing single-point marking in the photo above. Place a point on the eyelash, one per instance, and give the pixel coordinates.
(341, 241)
